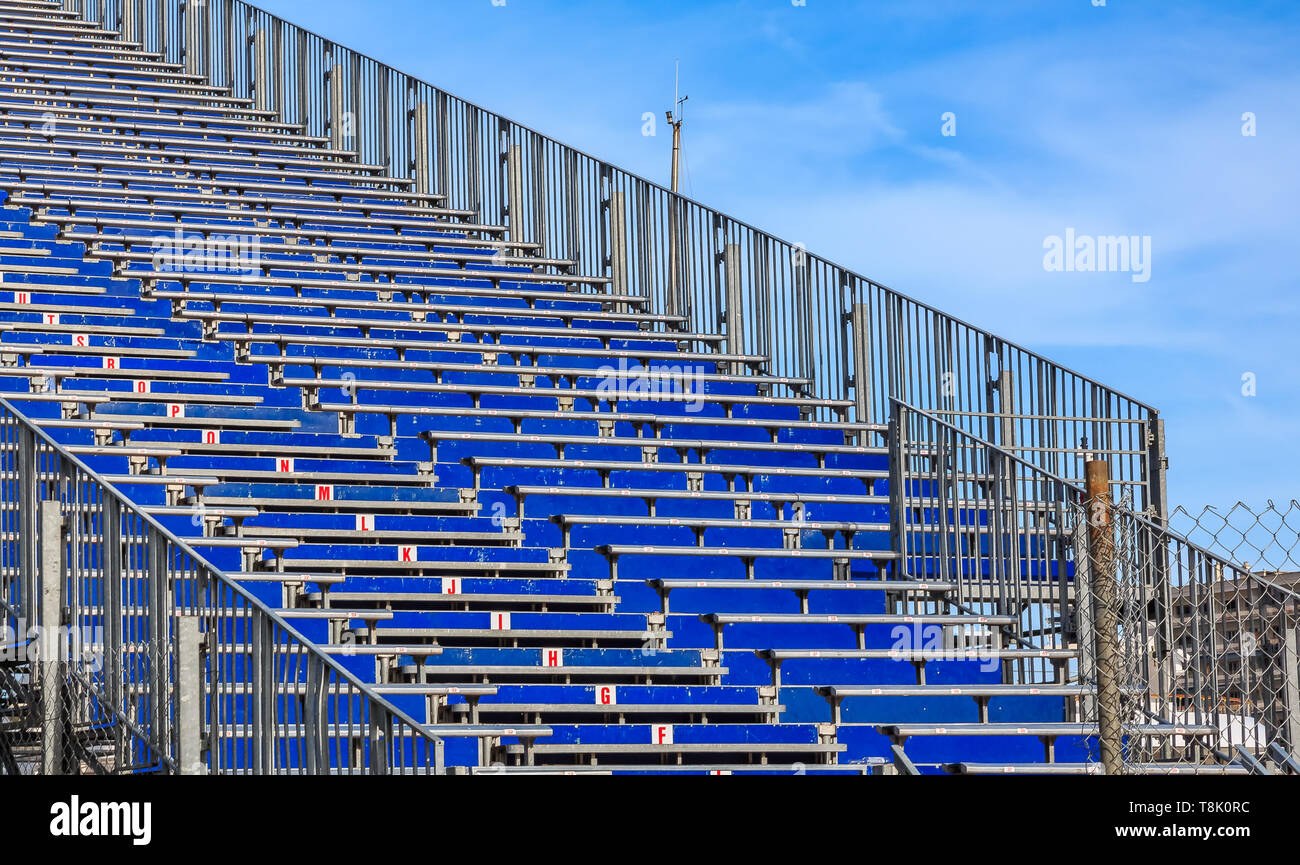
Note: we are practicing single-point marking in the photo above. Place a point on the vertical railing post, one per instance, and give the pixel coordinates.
(315, 719)
(1006, 410)
(192, 10)
(861, 321)
(671, 302)
(130, 21)
(53, 754)
(1291, 679)
(161, 638)
(338, 116)
(1101, 551)
(189, 696)
(113, 570)
(898, 494)
(1083, 625)
(735, 312)
(28, 517)
(516, 211)
(421, 155)
(261, 74)
(1157, 465)
(261, 691)
(618, 244)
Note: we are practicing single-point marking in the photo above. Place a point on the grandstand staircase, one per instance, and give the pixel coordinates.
(498, 490)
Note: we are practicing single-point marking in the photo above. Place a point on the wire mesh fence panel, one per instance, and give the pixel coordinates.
(1262, 539)
(1207, 664)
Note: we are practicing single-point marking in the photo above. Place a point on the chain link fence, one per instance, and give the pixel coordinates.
(1202, 625)
(1260, 539)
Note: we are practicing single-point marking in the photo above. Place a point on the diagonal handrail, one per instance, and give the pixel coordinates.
(232, 595)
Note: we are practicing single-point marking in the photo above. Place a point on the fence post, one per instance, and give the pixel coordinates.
(189, 696)
(50, 647)
(735, 314)
(1101, 552)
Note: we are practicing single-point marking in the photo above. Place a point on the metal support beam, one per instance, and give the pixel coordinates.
(734, 313)
(49, 641)
(1101, 553)
(189, 696)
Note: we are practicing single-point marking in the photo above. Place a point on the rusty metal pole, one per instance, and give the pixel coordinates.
(1101, 554)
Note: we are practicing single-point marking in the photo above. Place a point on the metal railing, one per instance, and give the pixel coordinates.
(1197, 640)
(126, 652)
(851, 337)
(966, 511)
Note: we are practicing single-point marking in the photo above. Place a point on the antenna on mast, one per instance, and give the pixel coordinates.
(675, 120)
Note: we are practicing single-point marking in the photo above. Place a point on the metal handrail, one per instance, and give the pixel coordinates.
(810, 318)
(1203, 639)
(96, 567)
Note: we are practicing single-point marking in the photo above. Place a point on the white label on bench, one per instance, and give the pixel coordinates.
(406, 554)
(51, 318)
(140, 385)
(552, 657)
(606, 695)
(500, 621)
(212, 437)
(365, 522)
(325, 492)
(719, 771)
(284, 465)
(175, 409)
(661, 734)
(81, 340)
(451, 585)
(22, 297)
(111, 362)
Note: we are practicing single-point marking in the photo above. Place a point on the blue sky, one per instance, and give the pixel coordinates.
(822, 123)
